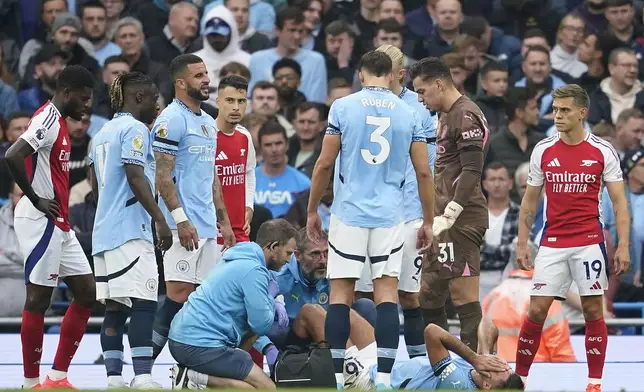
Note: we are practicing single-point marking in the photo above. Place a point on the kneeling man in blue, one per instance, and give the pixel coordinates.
(232, 304)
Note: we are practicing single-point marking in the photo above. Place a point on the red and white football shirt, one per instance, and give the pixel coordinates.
(235, 162)
(573, 177)
(48, 167)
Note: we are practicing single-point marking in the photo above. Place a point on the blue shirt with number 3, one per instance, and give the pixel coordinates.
(376, 129)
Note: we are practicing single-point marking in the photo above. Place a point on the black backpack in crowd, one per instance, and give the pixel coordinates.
(310, 366)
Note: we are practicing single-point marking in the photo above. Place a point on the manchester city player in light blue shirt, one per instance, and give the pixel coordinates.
(191, 198)
(409, 279)
(371, 134)
(124, 259)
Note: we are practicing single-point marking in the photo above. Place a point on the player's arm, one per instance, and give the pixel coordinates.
(163, 178)
(258, 303)
(420, 160)
(617, 196)
(488, 334)
(251, 163)
(222, 213)
(15, 158)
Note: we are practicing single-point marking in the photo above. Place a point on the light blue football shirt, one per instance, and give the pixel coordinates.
(376, 129)
(278, 193)
(124, 140)
(417, 373)
(191, 138)
(413, 208)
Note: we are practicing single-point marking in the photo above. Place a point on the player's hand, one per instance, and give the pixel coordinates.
(524, 257)
(227, 233)
(49, 207)
(622, 260)
(424, 238)
(314, 227)
(484, 364)
(188, 236)
(281, 316)
(446, 221)
(164, 235)
(637, 279)
(248, 218)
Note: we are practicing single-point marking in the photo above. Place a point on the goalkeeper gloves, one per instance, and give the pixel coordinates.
(444, 222)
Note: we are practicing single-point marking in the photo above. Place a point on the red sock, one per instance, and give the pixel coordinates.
(31, 334)
(71, 334)
(596, 342)
(529, 340)
(257, 357)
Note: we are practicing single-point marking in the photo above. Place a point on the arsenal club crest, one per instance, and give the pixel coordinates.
(204, 129)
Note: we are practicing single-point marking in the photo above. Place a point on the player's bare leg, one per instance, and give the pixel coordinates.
(337, 323)
(530, 335)
(32, 331)
(385, 294)
(176, 295)
(596, 339)
(413, 323)
(464, 292)
(433, 296)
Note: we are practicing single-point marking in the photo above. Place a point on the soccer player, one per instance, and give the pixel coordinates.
(571, 166)
(39, 164)
(235, 156)
(374, 132)
(184, 149)
(124, 260)
(409, 280)
(452, 265)
(232, 304)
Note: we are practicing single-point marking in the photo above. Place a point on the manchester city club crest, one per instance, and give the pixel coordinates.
(151, 284)
(204, 129)
(183, 266)
(323, 298)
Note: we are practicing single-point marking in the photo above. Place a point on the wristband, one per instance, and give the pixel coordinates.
(178, 215)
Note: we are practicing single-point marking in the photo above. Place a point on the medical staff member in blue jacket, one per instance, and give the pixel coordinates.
(231, 305)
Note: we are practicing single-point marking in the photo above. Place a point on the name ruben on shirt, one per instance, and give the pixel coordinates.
(567, 182)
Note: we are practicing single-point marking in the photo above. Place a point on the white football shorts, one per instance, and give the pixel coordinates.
(180, 265)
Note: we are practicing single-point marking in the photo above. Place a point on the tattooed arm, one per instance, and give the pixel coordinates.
(527, 213)
(164, 182)
(222, 215)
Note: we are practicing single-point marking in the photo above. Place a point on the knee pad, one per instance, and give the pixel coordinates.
(436, 316)
(367, 309)
(470, 316)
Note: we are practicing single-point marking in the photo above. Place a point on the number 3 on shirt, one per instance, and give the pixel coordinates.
(101, 157)
(382, 124)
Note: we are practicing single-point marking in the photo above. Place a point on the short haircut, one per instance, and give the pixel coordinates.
(263, 85)
(522, 171)
(294, 14)
(612, 57)
(390, 25)
(475, 26)
(492, 66)
(576, 92)
(302, 240)
(514, 382)
(338, 27)
(74, 77)
(453, 60)
(618, 3)
(533, 32)
(226, 2)
(306, 106)
(286, 62)
(431, 68)
(337, 83)
(627, 114)
(117, 89)
(235, 68)
(126, 21)
(517, 98)
(235, 81)
(253, 119)
(538, 49)
(271, 127)
(179, 64)
(90, 4)
(464, 41)
(376, 63)
(396, 55)
(17, 115)
(603, 129)
(275, 231)
(114, 59)
(496, 165)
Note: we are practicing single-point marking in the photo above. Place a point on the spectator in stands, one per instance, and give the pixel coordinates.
(538, 76)
(312, 10)
(421, 20)
(128, 35)
(48, 12)
(79, 141)
(338, 88)
(12, 278)
(220, 45)
(8, 96)
(339, 44)
(82, 213)
(113, 67)
(304, 147)
(153, 15)
(521, 178)
(470, 48)
(93, 16)
(115, 11)
(234, 68)
(265, 101)
(507, 307)
(289, 25)
(533, 37)
(491, 99)
(513, 144)
(506, 49)
(251, 39)
(365, 19)
(605, 131)
(449, 16)
(517, 17)
(277, 182)
(590, 53)
(179, 35)
(621, 90)
(622, 30)
(288, 75)
(16, 125)
(253, 122)
(297, 214)
(457, 69)
(8, 71)
(47, 65)
(503, 226)
(629, 131)
(564, 56)
(592, 12)
(261, 14)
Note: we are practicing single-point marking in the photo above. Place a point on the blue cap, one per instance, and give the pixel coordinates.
(217, 26)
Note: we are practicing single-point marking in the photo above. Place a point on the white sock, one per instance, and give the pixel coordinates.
(198, 378)
(115, 380)
(596, 381)
(30, 382)
(339, 379)
(57, 375)
(383, 378)
(144, 377)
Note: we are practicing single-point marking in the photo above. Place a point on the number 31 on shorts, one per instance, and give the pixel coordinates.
(445, 252)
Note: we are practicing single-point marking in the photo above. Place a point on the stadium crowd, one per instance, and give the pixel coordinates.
(298, 57)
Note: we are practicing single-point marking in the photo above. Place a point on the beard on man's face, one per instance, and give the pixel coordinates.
(197, 94)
